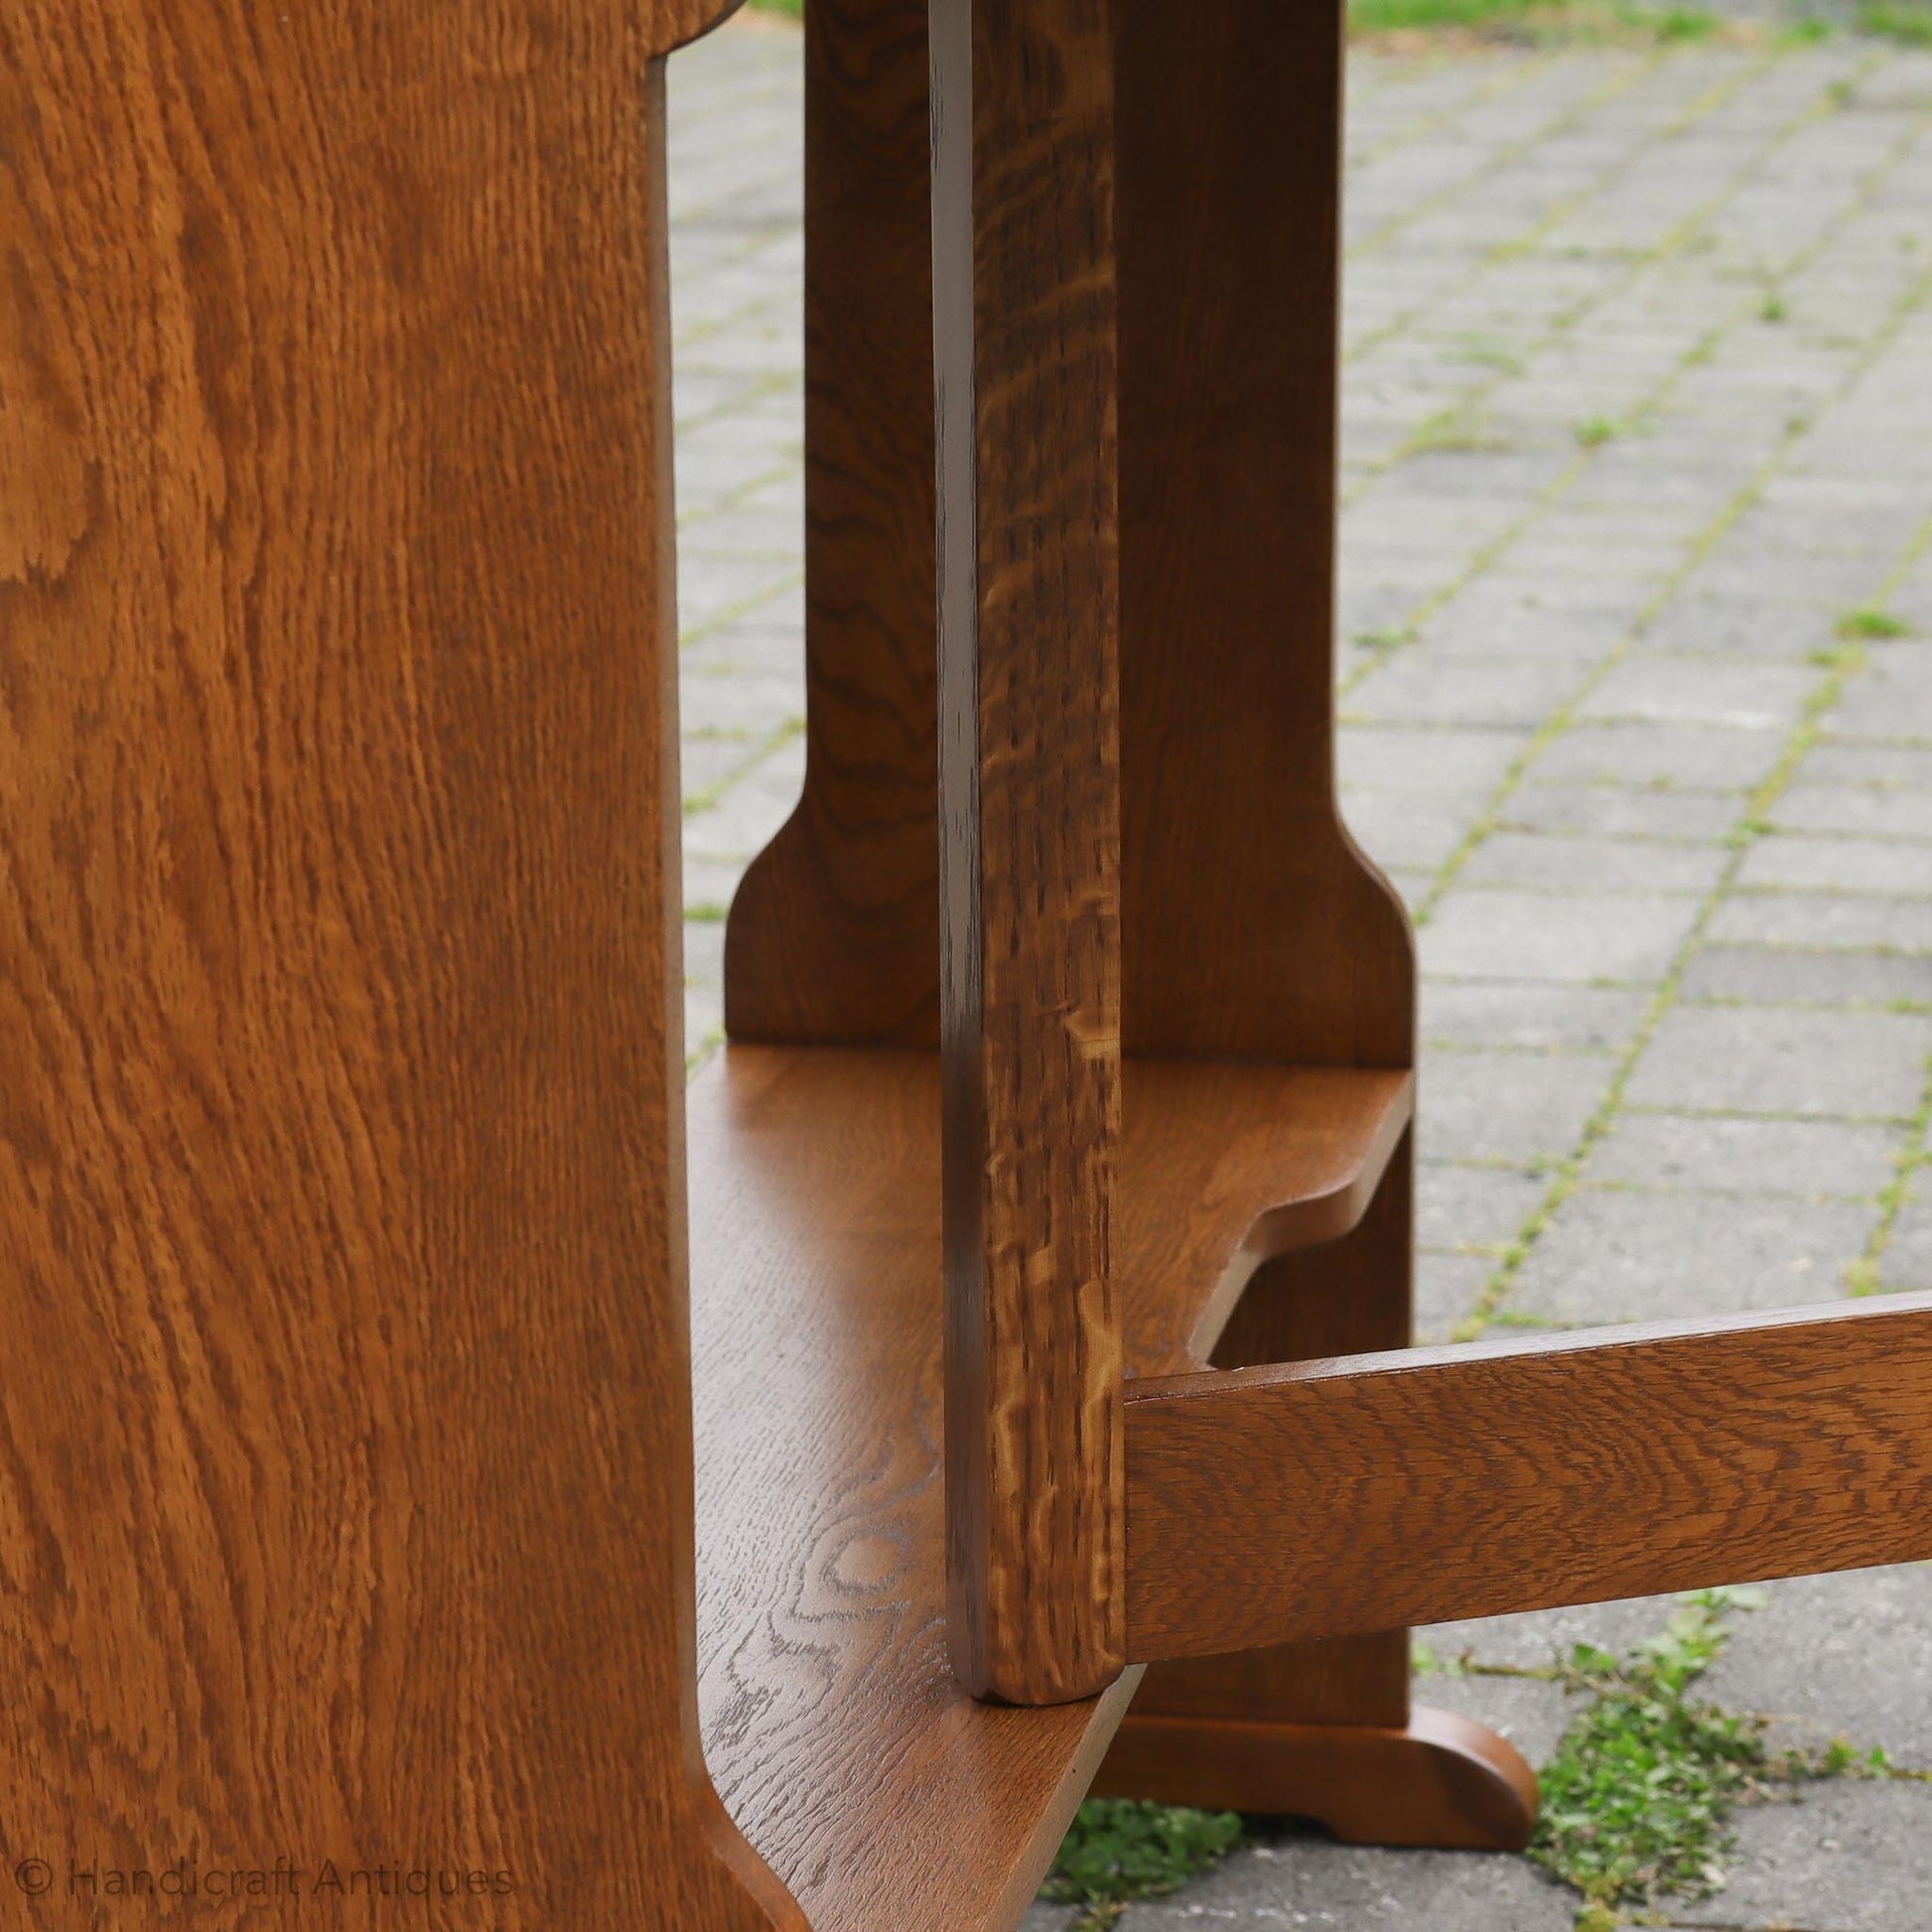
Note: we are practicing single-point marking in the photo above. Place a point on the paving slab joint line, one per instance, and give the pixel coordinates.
(758, 388)
(1865, 1276)
(735, 498)
(1521, 244)
(740, 607)
(1558, 122)
(1825, 103)
(1565, 716)
(704, 800)
(1653, 404)
(1496, 1292)
(1513, 79)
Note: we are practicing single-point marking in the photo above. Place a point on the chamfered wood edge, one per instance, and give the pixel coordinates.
(1310, 1221)
(1026, 380)
(1277, 1504)
(1442, 1780)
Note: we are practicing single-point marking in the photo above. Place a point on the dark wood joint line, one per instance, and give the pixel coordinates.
(1026, 383)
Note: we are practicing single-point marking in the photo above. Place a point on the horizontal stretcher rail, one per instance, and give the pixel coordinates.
(1315, 1499)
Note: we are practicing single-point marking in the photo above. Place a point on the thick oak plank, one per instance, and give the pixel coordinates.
(344, 1459)
(1272, 1504)
(1437, 1779)
(1326, 1729)
(1251, 925)
(1029, 838)
(834, 933)
(887, 1798)
(1348, 1297)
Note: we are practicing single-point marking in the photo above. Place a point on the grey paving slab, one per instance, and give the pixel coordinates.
(1892, 700)
(1410, 829)
(1844, 1858)
(1614, 811)
(1906, 765)
(1685, 758)
(1810, 1660)
(1537, 1018)
(1465, 760)
(1518, 1107)
(1650, 687)
(1883, 865)
(1860, 923)
(1743, 624)
(1778, 1061)
(1417, 686)
(1796, 977)
(1295, 1878)
(1506, 935)
(1616, 1256)
(1811, 1158)
(1908, 1259)
(1599, 864)
(1473, 1208)
(1448, 1288)
(1868, 811)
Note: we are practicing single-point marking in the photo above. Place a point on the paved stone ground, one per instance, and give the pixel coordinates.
(1638, 409)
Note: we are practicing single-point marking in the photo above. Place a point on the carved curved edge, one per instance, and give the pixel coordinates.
(1296, 948)
(747, 1894)
(1443, 1781)
(676, 23)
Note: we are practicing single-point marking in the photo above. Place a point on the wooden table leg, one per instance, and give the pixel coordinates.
(1326, 1730)
(348, 1466)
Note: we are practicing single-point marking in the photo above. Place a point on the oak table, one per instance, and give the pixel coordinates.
(1037, 1249)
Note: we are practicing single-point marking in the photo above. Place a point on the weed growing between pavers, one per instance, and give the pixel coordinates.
(1909, 21)
(1637, 1799)
(1866, 1274)
(1536, 19)
(1122, 1849)
(1872, 622)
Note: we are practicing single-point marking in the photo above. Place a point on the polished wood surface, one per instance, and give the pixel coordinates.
(1348, 1295)
(348, 1453)
(1437, 1779)
(1028, 839)
(834, 933)
(1251, 926)
(1323, 1730)
(1272, 1504)
(854, 1759)
(1211, 1142)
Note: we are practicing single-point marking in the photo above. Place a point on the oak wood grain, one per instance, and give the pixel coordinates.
(854, 1759)
(1349, 1295)
(1272, 1504)
(1029, 838)
(834, 933)
(1251, 926)
(1437, 1779)
(345, 1466)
